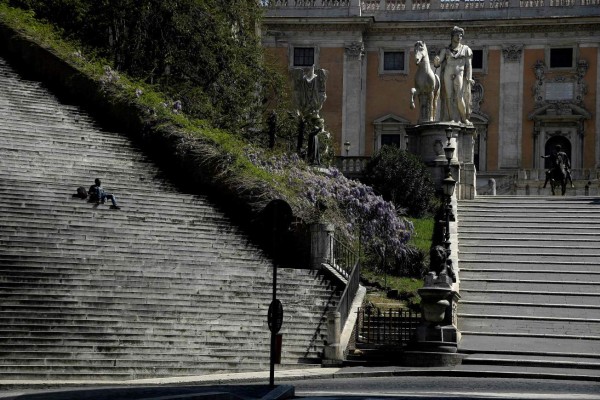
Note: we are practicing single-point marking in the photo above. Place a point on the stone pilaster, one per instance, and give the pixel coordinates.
(511, 106)
(353, 125)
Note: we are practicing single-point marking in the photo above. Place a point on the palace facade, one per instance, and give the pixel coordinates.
(536, 66)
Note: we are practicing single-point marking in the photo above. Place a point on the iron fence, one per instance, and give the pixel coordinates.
(344, 258)
(386, 327)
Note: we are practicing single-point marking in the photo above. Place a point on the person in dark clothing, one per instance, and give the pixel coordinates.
(98, 194)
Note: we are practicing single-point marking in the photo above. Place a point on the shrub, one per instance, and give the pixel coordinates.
(402, 178)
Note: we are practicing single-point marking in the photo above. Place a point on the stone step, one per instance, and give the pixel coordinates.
(515, 372)
(512, 343)
(575, 297)
(547, 256)
(522, 360)
(529, 274)
(510, 266)
(549, 309)
(529, 264)
(532, 247)
(546, 326)
(527, 228)
(532, 285)
(164, 286)
(471, 235)
(529, 279)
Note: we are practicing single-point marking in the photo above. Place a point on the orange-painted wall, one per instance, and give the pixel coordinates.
(386, 94)
(491, 105)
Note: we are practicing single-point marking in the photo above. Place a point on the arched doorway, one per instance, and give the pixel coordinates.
(564, 143)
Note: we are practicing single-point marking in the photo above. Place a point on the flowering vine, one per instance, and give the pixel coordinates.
(327, 193)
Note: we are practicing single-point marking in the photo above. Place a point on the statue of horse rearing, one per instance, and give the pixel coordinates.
(427, 85)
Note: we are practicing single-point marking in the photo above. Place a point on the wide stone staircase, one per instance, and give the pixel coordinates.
(164, 286)
(530, 284)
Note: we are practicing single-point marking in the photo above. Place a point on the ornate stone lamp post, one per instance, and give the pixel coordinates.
(437, 333)
(448, 186)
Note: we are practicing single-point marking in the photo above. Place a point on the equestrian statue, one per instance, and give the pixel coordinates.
(559, 172)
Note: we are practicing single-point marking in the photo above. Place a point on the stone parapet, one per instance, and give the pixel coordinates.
(414, 10)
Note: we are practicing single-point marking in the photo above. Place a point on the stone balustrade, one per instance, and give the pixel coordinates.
(414, 9)
(352, 166)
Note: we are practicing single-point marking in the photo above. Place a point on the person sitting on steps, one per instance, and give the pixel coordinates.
(98, 194)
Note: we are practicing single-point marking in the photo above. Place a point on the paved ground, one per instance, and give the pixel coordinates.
(255, 385)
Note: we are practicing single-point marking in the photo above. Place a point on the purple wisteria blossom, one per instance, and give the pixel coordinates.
(364, 213)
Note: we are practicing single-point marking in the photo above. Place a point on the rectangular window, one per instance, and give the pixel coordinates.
(393, 61)
(304, 56)
(477, 62)
(390, 140)
(561, 58)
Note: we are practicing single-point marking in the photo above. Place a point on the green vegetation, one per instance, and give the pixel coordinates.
(398, 288)
(423, 233)
(145, 56)
(403, 179)
(204, 53)
(393, 291)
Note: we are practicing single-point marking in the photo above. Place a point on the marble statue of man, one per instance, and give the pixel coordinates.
(456, 79)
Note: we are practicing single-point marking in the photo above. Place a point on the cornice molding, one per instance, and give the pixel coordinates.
(431, 29)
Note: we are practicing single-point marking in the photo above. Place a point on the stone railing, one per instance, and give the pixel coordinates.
(352, 166)
(414, 9)
(529, 182)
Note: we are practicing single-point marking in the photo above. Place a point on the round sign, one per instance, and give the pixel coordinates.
(275, 317)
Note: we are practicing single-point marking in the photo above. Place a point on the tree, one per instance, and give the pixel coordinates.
(205, 53)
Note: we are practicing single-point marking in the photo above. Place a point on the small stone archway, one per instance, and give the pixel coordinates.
(559, 124)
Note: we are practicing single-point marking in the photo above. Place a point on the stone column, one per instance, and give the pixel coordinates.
(321, 244)
(511, 93)
(353, 125)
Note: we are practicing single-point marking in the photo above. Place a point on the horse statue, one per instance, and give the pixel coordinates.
(558, 176)
(427, 85)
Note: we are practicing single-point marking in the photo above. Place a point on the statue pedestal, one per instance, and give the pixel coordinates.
(436, 339)
(428, 140)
